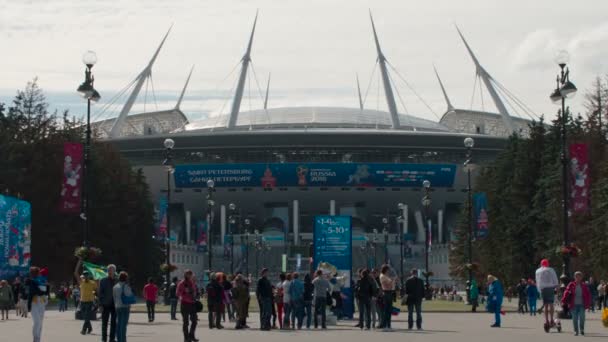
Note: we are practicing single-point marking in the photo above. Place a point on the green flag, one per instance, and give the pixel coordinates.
(97, 272)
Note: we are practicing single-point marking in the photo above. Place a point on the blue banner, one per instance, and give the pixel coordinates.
(333, 254)
(480, 205)
(15, 237)
(315, 175)
(162, 217)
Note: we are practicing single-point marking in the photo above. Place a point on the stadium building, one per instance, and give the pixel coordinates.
(280, 167)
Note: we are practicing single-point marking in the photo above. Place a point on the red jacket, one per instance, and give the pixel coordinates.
(570, 293)
(150, 292)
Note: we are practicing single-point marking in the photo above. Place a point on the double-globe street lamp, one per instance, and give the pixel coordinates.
(247, 225)
(468, 144)
(564, 89)
(426, 203)
(168, 164)
(87, 90)
(385, 233)
(231, 224)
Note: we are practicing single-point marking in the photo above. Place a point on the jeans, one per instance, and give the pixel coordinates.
(173, 308)
(388, 308)
(308, 312)
(297, 313)
(189, 319)
(85, 309)
(63, 305)
(265, 312)
(578, 318)
(374, 311)
(320, 304)
(38, 308)
(410, 314)
(215, 314)
(287, 316)
(532, 304)
(108, 313)
(150, 305)
(122, 320)
(497, 314)
(365, 313)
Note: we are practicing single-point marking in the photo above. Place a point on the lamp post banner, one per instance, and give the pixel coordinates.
(273, 175)
(72, 178)
(163, 205)
(15, 237)
(201, 233)
(333, 254)
(480, 210)
(579, 177)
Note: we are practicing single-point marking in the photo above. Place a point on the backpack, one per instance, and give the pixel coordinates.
(127, 299)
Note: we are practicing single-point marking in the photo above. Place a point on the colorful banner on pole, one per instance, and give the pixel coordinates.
(15, 236)
(480, 210)
(314, 175)
(333, 254)
(201, 233)
(579, 177)
(72, 178)
(162, 217)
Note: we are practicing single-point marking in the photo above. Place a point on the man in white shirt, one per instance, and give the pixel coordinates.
(546, 280)
(287, 305)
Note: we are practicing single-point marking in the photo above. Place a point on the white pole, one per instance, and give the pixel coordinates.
(296, 222)
(222, 224)
(332, 207)
(440, 226)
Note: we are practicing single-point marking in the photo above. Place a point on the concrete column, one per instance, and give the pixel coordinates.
(440, 226)
(332, 207)
(188, 226)
(296, 222)
(222, 224)
(405, 220)
(420, 238)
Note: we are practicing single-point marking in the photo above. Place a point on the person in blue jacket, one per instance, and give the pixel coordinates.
(533, 294)
(495, 296)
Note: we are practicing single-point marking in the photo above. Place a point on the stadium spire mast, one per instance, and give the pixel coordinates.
(115, 131)
(238, 95)
(181, 95)
(267, 91)
(487, 80)
(359, 93)
(445, 94)
(388, 90)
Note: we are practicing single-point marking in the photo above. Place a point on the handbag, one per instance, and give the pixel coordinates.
(127, 299)
(329, 301)
(198, 305)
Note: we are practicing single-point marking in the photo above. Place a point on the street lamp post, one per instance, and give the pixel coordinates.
(564, 89)
(258, 247)
(375, 244)
(426, 203)
(168, 163)
(247, 223)
(385, 233)
(231, 223)
(401, 230)
(87, 90)
(468, 144)
(210, 204)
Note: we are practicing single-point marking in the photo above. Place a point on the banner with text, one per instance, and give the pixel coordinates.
(579, 177)
(333, 253)
(315, 175)
(72, 178)
(15, 236)
(480, 210)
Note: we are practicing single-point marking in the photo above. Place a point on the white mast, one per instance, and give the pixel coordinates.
(487, 80)
(181, 96)
(388, 90)
(116, 129)
(267, 91)
(238, 95)
(359, 92)
(445, 94)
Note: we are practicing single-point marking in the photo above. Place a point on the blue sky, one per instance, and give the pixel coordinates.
(312, 48)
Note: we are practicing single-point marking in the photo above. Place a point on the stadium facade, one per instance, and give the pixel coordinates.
(280, 167)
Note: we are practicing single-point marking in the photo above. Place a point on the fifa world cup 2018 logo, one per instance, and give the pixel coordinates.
(302, 171)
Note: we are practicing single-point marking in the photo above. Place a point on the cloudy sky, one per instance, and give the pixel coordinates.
(313, 49)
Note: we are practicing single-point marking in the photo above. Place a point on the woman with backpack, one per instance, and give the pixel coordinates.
(123, 299)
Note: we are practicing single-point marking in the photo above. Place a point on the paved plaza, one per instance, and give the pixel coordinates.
(465, 327)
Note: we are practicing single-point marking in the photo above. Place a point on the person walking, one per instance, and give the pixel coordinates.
(88, 288)
(76, 295)
(601, 294)
(522, 296)
(173, 298)
(296, 292)
(215, 294)
(286, 301)
(365, 293)
(122, 298)
(187, 294)
(279, 300)
(387, 282)
(264, 295)
(240, 296)
(577, 297)
(16, 287)
(309, 289)
(108, 308)
(321, 291)
(150, 295)
(36, 302)
(593, 289)
(376, 299)
(61, 296)
(495, 298)
(532, 294)
(24, 295)
(546, 280)
(6, 298)
(414, 290)
(474, 295)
